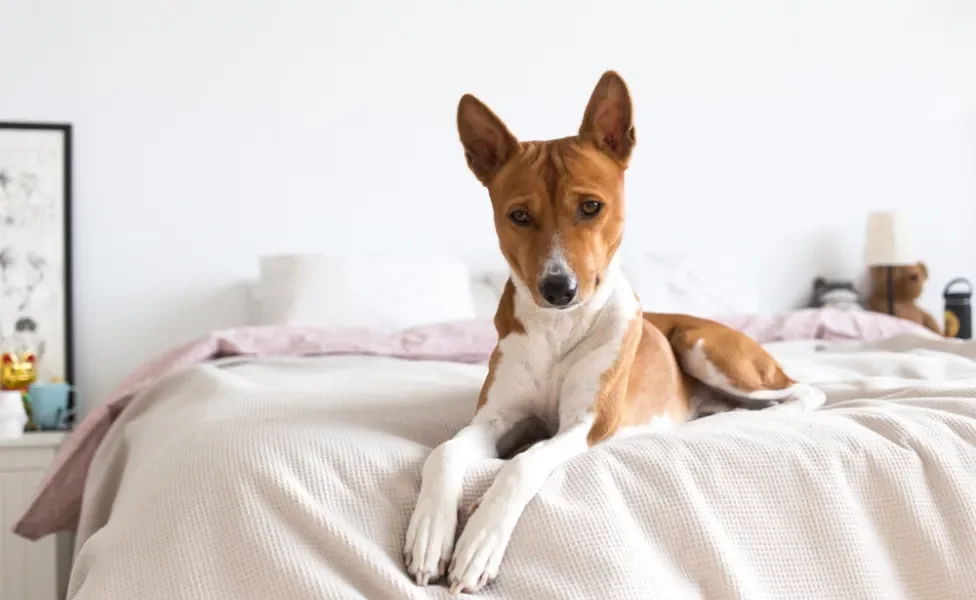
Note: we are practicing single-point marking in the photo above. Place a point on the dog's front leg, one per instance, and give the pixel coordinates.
(482, 544)
(430, 535)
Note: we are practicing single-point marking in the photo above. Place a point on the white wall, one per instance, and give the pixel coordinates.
(210, 132)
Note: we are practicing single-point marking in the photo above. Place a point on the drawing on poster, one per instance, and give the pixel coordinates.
(33, 237)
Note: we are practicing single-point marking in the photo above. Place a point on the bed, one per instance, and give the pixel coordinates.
(283, 461)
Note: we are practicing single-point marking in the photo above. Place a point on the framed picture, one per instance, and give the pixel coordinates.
(35, 245)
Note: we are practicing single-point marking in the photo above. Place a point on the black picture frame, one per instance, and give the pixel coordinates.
(66, 131)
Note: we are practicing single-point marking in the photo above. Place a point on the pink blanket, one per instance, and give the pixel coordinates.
(57, 503)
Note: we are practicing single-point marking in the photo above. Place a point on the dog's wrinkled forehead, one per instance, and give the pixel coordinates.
(550, 180)
(556, 261)
(554, 167)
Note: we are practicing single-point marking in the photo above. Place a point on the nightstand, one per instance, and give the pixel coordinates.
(29, 570)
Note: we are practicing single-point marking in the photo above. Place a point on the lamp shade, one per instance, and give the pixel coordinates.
(888, 240)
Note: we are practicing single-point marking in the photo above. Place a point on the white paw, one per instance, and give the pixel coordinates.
(478, 553)
(802, 398)
(430, 538)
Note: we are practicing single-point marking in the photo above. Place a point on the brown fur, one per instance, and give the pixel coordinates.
(646, 381)
(550, 181)
(908, 283)
(744, 362)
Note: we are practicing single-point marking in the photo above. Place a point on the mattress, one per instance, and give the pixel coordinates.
(290, 477)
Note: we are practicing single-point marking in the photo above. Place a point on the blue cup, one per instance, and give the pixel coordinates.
(49, 405)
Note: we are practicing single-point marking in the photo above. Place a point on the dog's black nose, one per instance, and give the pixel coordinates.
(558, 290)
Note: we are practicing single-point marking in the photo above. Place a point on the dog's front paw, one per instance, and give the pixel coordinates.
(478, 554)
(430, 538)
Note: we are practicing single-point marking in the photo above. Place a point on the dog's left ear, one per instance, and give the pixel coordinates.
(609, 118)
(924, 269)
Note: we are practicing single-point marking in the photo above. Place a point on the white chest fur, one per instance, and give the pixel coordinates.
(554, 370)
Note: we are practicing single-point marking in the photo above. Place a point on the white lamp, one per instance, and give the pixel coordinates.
(888, 244)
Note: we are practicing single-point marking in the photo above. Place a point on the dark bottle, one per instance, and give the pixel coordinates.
(958, 311)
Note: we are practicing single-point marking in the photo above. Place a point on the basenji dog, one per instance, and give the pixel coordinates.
(575, 350)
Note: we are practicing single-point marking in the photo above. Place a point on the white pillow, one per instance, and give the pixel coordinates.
(376, 292)
(688, 283)
(487, 289)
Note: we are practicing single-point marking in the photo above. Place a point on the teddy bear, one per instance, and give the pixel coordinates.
(908, 282)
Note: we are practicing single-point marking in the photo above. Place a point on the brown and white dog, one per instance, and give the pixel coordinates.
(574, 348)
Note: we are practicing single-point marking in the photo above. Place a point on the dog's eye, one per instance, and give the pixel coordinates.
(589, 209)
(520, 217)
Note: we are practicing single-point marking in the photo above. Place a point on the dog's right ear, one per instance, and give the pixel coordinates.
(487, 142)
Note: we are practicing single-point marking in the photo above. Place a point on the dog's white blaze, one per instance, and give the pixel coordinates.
(556, 263)
(799, 396)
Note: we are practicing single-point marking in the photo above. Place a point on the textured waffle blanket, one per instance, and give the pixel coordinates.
(295, 478)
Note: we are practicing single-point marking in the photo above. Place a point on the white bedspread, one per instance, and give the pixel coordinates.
(295, 478)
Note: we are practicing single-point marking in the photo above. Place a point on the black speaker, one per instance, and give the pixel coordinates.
(958, 310)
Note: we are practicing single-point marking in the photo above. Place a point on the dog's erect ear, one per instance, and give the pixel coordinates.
(924, 269)
(609, 118)
(487, 142)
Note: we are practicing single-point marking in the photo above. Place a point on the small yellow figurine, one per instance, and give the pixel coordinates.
(18, 373)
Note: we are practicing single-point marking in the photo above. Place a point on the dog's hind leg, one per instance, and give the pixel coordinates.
(734, 364)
